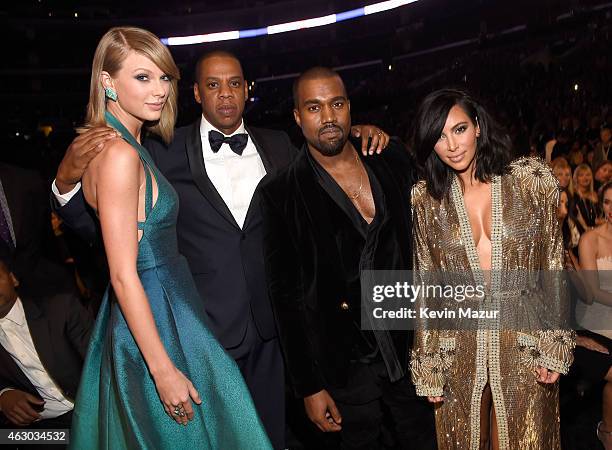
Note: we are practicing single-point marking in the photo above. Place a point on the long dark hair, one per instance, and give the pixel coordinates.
(493, 148)
(602, 191)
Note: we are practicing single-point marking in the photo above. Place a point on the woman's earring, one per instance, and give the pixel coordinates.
(110, 94)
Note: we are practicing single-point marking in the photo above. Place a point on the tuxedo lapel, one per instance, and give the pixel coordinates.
(198, 172)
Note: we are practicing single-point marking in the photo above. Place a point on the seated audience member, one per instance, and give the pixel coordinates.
(601, 152)
(562, 146)
(576, 155)
(563, 173)
(43, 343)
(585, 203)
(602, 174)
(595, 314)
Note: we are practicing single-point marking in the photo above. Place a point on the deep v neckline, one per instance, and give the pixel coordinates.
(467, 234)
(485, 234)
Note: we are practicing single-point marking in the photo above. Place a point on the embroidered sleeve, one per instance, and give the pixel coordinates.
(428, 360)
(556, 343)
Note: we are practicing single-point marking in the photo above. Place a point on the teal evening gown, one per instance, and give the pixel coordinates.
(117, 406)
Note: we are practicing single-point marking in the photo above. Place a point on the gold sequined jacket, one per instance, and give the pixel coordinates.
(458, 364)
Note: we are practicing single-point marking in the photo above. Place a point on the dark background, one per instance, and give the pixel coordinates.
(523, 57)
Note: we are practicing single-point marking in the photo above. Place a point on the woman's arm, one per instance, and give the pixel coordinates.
(117, 176)
(587, 251)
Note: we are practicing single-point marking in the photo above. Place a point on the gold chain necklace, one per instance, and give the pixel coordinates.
(355, 195)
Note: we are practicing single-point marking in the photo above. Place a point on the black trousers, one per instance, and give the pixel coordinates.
(261, 364)
(377, 414)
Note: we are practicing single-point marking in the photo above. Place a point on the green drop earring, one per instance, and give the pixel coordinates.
(110, 94)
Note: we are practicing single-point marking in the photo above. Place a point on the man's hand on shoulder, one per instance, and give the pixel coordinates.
(20, 408)
(372, 135)
(83, 149)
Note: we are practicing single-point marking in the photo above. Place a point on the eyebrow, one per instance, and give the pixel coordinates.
(454, 127)
(141, 69)
(233, 77)
(318, 102)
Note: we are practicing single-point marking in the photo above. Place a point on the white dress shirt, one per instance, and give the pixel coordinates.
(62, 199)
(16, 339)
(234, 176)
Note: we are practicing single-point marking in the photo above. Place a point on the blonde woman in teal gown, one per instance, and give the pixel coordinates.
(154, 377)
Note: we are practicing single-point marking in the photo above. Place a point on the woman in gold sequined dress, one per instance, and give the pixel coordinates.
(477, 213)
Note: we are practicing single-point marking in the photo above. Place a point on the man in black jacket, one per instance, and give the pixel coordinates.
(43, 343)
(327, 217)
(215, 165)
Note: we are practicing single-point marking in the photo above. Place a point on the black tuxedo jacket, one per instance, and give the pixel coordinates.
(315, 313)
(60, 327)
(226, 261)
(30, 216)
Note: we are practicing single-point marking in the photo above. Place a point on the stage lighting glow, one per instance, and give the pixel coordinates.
(385, 6)
(198, 39)
(353, 13)
(254, 32)
(289, 26)
(301, 24)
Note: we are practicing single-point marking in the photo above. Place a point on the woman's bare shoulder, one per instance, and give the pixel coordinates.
(116, 155)
(589, 238)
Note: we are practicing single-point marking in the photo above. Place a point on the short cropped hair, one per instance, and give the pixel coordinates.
(311, 74)
(214, 53)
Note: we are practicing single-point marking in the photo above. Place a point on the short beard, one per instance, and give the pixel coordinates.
(328, 148)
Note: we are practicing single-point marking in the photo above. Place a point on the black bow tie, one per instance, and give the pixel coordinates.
(237, 142)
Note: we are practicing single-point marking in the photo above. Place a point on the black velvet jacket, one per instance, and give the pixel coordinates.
(315, 309)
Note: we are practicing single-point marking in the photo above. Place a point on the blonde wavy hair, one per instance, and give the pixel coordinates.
(584, 168)
(112, 50)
